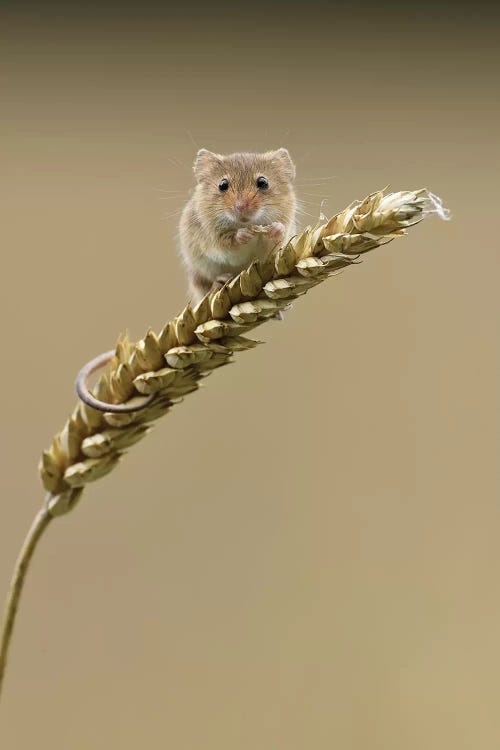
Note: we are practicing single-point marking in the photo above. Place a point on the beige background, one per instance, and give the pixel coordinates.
(326, 574)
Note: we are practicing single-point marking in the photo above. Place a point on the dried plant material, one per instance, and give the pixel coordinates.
(200, 340)
(171, 364)
(90, 469)
(250, 282)
(260, 228)
(153, 382)
(113, 440)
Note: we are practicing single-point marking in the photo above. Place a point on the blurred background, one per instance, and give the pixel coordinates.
(326, 574)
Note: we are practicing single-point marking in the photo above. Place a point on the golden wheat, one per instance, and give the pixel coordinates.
(188, 348)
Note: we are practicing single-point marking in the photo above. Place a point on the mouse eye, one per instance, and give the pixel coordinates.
(223, 185)
(262, 183)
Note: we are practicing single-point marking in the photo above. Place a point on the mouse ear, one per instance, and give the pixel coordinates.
(283, 155)
(204, 161)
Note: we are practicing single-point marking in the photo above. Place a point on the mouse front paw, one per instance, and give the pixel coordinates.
(243, 236)
(276, 231)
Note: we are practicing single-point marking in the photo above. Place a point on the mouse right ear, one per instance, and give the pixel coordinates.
(204, 162)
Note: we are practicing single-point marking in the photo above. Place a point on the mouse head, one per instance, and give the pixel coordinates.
(245, 188)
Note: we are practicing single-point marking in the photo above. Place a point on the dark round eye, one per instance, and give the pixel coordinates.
(262, 183)
(223, 185)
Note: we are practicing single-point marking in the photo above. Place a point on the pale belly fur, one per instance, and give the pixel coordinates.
(223, 260)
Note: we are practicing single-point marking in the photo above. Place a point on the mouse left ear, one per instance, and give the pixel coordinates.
(283, 155)
(204, 161)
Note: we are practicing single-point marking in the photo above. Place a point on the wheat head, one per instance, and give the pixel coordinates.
(171, 364)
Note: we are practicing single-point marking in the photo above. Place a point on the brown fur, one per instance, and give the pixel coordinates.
(215, 227)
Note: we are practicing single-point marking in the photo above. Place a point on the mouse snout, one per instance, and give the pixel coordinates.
(243, 208)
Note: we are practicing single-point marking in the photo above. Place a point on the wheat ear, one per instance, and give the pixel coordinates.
(171, 364)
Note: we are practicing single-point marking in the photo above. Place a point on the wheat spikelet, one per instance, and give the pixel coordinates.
(200, 339)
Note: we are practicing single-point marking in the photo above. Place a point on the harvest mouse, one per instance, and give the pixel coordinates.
(242, 207)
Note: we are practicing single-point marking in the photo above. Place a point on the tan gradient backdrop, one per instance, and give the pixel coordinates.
(305, 554)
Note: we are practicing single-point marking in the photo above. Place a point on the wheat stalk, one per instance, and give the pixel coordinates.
(172, 363)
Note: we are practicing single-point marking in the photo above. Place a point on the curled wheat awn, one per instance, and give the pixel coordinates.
(171, 364)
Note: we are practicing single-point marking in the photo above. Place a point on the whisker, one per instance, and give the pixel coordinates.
(317, 179)
(170, 216)
(177, 163)
(317, 187)
(310, 203)
(314, 195)
(165, 190)
(306, 213)
(192, 140)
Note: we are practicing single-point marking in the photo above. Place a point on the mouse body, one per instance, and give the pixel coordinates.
(243, 206)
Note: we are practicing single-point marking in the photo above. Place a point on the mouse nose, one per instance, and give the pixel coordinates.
(242, 206)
